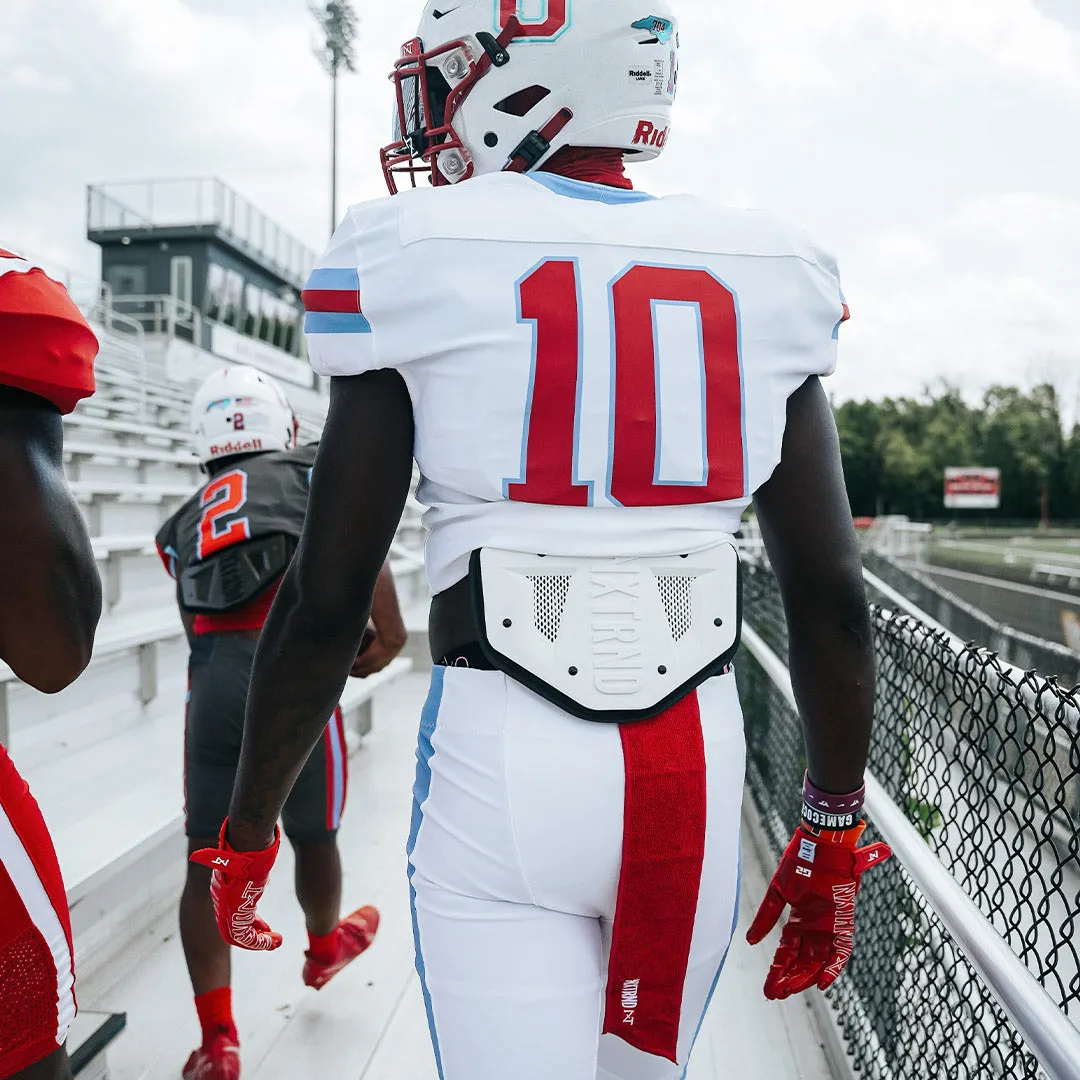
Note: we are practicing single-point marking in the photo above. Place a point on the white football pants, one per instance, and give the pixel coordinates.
(514, 864)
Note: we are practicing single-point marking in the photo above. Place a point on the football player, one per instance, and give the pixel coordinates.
(227, 547)
(595, 384)
(50, 603)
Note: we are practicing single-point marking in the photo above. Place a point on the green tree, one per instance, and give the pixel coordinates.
(905, 461)
(338, 23)
(917, 439)
(859, 423)
(1022, 435)
(1070, 477)
(896, 451)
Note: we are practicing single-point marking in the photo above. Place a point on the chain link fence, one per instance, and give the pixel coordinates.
(985, 761)
(971, 623)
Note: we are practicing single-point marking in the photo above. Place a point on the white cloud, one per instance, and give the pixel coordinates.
(896, 251)
(26, 77)
(995, 301)
(1014, 36)
(927, 141)
(784, 49)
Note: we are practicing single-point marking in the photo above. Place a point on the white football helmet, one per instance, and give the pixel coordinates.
(239, 410)
(493, 85)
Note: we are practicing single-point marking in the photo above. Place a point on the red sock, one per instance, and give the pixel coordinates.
(323, 946)
(215, 1012)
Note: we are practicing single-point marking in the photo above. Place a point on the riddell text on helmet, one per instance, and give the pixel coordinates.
(648, 134)
(236, 446)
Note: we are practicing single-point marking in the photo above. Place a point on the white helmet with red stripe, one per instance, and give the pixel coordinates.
(493, 85)
(239, 410)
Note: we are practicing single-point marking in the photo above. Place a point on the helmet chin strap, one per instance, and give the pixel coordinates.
(536, 144)
(496, 55)
(495, 48)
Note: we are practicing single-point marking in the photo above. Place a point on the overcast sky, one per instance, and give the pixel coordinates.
(934, 144)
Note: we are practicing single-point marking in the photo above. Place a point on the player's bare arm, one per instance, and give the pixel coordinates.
(810, 538)
(389, 628)
(50, 592)
(358, 490)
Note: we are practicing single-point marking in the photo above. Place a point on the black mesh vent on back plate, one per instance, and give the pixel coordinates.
(549, 601)
(675, 593)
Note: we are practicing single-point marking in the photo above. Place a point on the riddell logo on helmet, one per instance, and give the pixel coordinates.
(235, 446)
(648, 134)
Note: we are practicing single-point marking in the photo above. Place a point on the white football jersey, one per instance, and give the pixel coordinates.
(594, 372)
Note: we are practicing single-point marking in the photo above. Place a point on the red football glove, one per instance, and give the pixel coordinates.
(819, 877)
(236, 887)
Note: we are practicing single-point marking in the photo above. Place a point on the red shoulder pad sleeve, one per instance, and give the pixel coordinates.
(46, 346)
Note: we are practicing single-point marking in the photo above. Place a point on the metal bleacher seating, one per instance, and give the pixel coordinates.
(104, 757)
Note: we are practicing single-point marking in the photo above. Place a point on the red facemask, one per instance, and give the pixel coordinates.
(416, 152)
(422, 139)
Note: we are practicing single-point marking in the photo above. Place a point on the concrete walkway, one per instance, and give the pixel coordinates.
(369, 1024)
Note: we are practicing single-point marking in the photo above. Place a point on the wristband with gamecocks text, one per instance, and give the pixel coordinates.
(823, 810)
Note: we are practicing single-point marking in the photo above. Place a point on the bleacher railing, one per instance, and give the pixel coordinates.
(161, 315)
(965, 964)
(145, 205)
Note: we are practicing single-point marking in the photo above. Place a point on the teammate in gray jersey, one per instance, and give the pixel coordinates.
(227, 548)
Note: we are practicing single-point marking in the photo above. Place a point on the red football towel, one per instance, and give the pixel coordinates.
(663, 852)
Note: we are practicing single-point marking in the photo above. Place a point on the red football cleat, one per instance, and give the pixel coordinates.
(354, 934)
(218, 1059)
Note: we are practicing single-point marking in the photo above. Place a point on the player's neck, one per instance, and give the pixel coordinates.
(593, 166)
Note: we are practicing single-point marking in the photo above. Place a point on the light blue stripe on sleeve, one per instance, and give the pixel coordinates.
(335, 277)
(336, 322)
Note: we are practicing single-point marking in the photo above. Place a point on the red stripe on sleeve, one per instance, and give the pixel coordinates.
(332, 300)
(847, 314)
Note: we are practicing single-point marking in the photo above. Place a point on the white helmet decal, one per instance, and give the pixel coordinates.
(239, 410)
(478, 94)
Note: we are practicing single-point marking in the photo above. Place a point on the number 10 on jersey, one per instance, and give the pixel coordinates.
(550, 297)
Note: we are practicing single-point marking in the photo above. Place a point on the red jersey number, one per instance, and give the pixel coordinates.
(221, 499)
(550, 297)
(547, 27)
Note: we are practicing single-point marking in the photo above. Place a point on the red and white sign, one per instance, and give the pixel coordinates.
(972, 489)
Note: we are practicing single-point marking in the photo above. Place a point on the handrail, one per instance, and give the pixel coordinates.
(162, 311)
(956, 643)
(1026, 683)
(1049, 1034)
(197, 201)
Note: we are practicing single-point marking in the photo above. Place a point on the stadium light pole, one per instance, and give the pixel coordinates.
(338, 23)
